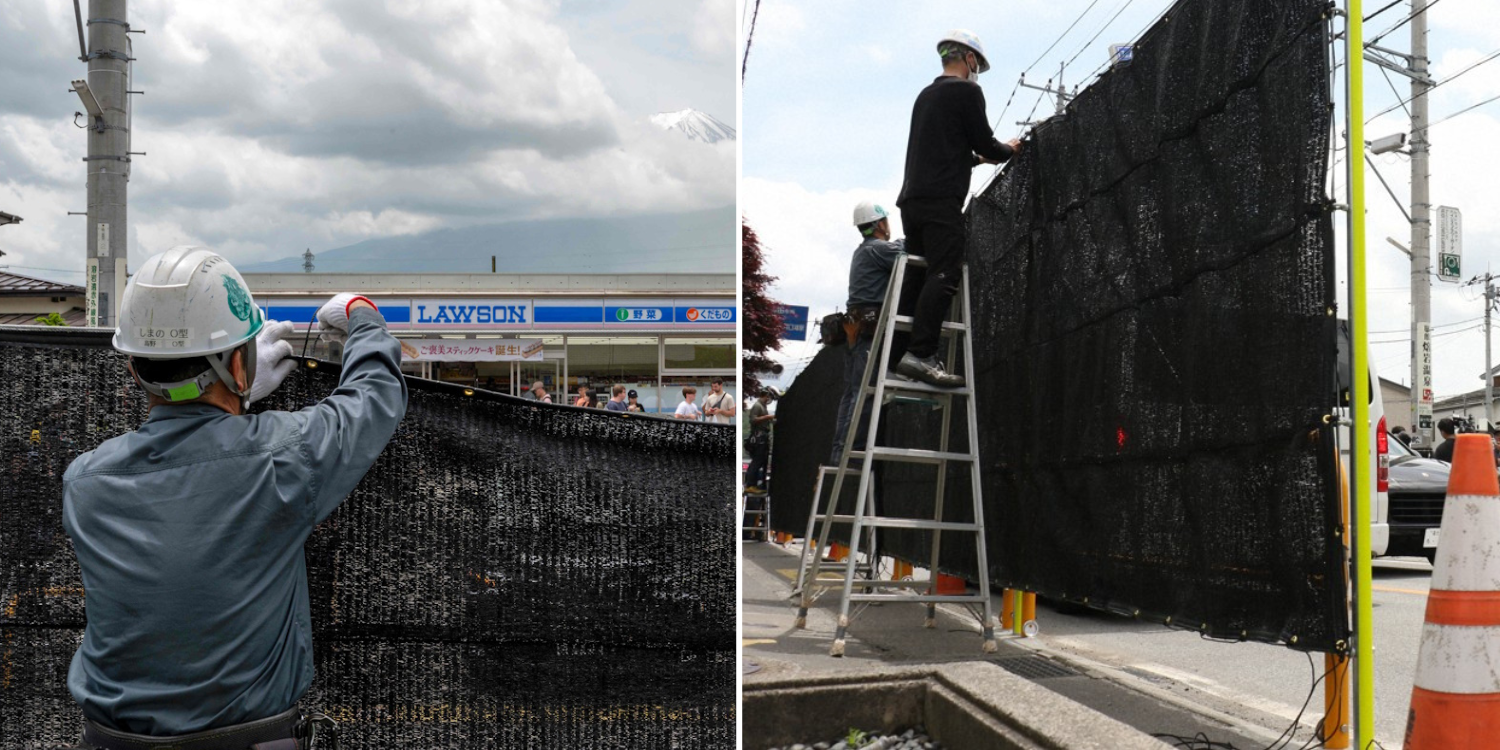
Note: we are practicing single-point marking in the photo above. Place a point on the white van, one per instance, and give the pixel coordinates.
(1377, 436)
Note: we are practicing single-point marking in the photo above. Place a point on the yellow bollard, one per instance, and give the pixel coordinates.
(1007, 609)
(1028, 611)
(901, 571)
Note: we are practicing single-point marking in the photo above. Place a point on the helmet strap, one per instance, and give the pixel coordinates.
(193, 388)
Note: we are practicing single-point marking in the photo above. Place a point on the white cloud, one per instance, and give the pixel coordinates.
(808, 239)
(274, 126)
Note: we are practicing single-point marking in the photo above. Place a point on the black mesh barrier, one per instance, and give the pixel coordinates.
(1153, 282)
(803, 437)
(508, 574)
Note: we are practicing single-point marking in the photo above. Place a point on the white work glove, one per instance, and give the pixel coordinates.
(333, 317)
(273, 358)
(335, 313)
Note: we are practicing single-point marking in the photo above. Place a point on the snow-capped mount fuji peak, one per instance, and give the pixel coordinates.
(697, 126)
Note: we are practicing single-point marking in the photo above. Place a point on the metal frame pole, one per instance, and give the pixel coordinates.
(1359, 440)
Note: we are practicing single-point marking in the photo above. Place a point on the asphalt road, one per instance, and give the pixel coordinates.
(1241, 693)
(1260, 684)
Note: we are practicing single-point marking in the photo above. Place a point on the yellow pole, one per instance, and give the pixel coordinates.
(1007, 608)
(1028, 608)
(1017, 609)
(1364, 611)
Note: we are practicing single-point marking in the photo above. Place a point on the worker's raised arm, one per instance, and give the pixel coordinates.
(344, 433)
(977, 128)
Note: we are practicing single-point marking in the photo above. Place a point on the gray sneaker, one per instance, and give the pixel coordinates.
(928, 370)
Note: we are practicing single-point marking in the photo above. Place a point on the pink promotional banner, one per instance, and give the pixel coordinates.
(471, 350)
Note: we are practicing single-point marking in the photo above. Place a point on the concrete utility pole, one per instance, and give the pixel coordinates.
(1421, 228)
(1489, 379)
(108, 161)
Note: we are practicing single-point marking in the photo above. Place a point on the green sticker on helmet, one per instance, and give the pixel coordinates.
(239, 299)
(240, 304)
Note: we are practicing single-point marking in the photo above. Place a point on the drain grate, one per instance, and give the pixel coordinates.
(1035, 667)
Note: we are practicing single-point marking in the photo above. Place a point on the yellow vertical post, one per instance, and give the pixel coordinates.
(1359, 431)
(1018, 608)
(1007, 608)
(1028, 608)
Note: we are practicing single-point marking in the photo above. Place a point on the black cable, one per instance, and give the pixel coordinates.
(1391, 4)
(749, 37)
(1461, 111)
(1059, 39)
(1101, 30)
(1487, 58)
(1401, 23)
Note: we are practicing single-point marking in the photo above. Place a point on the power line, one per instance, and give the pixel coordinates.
(1060, 37)
(1461, 111)
(1487, 58)
(749, 37)
(1402, 22)
(1101, 30)
(1391, 4)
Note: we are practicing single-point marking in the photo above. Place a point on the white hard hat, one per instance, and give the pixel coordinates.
(967, 39)
(188, 302)
(868, 213)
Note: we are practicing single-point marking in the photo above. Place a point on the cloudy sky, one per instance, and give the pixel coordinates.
(827, 103)
(283, 124)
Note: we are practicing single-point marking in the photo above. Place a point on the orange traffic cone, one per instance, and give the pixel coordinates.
(1455, 701)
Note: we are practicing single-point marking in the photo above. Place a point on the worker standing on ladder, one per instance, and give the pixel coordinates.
(869, 275)
(950, 135)
(189, 531)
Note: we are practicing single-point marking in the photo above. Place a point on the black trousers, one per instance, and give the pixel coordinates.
(934, 230)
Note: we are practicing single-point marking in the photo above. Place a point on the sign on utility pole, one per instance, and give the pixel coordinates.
(1423, 391)
(1450, 236)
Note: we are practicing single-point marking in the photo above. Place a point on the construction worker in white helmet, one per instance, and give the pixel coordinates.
(869, 274)
(950, 135)
(189, 531)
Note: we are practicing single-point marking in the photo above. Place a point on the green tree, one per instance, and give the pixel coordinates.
(763, 326)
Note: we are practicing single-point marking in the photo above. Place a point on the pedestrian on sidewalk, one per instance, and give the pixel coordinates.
(759, 443)
(616, 399)
(687, 409)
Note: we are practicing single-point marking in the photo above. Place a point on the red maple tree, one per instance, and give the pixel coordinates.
(762, 325)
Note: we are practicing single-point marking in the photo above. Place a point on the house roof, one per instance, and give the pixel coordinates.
(17, 285)
(74, 317)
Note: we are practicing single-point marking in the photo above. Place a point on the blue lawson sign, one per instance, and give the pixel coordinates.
(795, 319)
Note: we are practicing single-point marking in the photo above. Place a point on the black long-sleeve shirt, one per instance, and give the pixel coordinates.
(948, 126)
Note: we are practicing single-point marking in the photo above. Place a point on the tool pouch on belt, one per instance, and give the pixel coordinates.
(860, 322)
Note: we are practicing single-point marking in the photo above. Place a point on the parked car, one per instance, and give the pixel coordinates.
(1418, 487)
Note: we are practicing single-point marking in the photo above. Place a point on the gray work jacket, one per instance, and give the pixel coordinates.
(189, 534)
(870, 271)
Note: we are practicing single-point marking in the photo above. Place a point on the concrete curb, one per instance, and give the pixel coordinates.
(963, 704)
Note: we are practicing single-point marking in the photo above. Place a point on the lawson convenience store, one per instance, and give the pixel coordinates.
(653, 333)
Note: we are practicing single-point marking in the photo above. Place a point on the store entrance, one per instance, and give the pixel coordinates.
(547, 370)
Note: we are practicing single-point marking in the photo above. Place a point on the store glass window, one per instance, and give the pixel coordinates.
(603, 362)
(703, 353)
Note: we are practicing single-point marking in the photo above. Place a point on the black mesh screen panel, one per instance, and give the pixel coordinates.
(508, 574)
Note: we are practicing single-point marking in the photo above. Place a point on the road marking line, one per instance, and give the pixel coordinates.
(1394, 590)
(756, 641)
(788, 573)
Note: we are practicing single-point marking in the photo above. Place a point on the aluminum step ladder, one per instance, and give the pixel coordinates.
(755, 515)
(879, 387)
